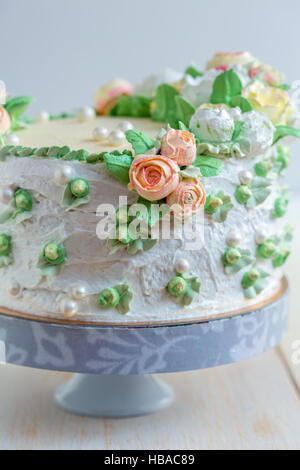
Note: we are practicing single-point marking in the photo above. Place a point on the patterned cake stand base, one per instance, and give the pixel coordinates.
(114, 363)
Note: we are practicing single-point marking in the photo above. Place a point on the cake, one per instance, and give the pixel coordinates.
(203, 151)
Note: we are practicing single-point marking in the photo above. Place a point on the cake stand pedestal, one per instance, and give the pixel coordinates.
(113, 364)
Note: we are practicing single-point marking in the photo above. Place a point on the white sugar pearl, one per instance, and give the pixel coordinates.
(100, 133)
(233, 238)
(14, 289)
(12, 139)
(63, 174)
(260, 236)
(125, 126)
(6, 194)
(85, 114)
(68, 307)
(42, 116)
(116, 138)
(79, 292)
(246, 177)
(182, 266)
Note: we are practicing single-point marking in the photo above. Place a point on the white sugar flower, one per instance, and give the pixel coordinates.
(212, 124)
(257, 133)
(149, 84)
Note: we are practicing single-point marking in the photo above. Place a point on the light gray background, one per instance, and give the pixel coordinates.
(60, 51)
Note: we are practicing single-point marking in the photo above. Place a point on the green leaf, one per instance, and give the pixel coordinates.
(16, 106)
(284, 131)
(193, 72)
(260, 191)
(165, 107)
(118, 166)
(284, 86)
(132, 106)
(245, 260)
(153, 215)
(209, 166)
(184, 110)
(220, 214)
(226, 86)
(238, 127)
(190, 172)
(14, 216)
(242, 103)
(140, 142)
(48, 269)
(125, 298)
(183, 127)
(6, 260)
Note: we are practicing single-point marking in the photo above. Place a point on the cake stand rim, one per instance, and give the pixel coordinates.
(283, 288)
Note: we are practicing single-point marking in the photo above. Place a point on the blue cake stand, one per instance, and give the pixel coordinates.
(113, 364)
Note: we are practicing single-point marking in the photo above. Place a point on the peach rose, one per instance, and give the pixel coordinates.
(5, 122)
(107, 96)
(179, 146)
(153, 176)
(187, 198)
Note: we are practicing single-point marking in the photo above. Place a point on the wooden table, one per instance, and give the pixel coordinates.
(254, 404)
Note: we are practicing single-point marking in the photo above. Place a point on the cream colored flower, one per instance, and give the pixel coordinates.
(271, 101)
(224, 60)
(2, 93)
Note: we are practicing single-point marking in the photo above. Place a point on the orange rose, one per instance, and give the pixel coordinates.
(179, 146)
(5, 122)
(153, 176)
(187, 198)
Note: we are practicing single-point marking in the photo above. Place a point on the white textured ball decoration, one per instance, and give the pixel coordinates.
(125, 126)
(12, 139)
(42, 116)
(6, 194)
(63, 174)
(182, 266)
(86, 114)
(260, 236)
(68, 307)
(233, 238)
(79, 292)
(246, 177)
(14, 289)
(116, 138)
(100, 133)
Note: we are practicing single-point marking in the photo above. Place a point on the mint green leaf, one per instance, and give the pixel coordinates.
(153, 215)
(284, 131)
(165, 107)
(70, 201)
(238, 127)
(226, 86)
(245, 260)
(16, 106)
(260, 191)
(184, 110)
(193, 72)
(6, 260)
(48, 269)
(125, 298)
(209, 166)
(118, 166)
(183, 127)
(140, 142)
(132, 106)
(284, 86)
(242, 103)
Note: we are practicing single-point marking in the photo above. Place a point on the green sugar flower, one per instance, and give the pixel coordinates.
(235, 259)
(183, 289)
(267, 250)
(281, 257)
(118, 297)
(243, 193)
(251, 195)
(54, 253)
(5, 244)
(218, 205)
(254, 282)
(109, 298)
(280, 207)
(23, 200)
(79, 187)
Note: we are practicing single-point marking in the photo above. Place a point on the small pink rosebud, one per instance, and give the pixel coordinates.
(5, 122)
(187, 198)
(179, 146)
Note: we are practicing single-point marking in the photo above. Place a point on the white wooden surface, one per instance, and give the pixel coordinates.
(254, 404)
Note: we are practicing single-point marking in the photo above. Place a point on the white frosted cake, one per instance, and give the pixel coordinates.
(208, 149)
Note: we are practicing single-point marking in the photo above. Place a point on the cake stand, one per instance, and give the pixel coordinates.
(113, 364)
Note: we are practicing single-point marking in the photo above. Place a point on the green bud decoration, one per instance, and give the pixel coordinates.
(79, 187)
(267, 250)
(23, 200)
(262, 168)
(280, 207)
(232, 256)
(212, 204)
(5, 244)
(250, 278)
(177, 286)
(54, 253)
(243, 193)
(122, 215)
(122, 234)
(109, 298)
(281, 257)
